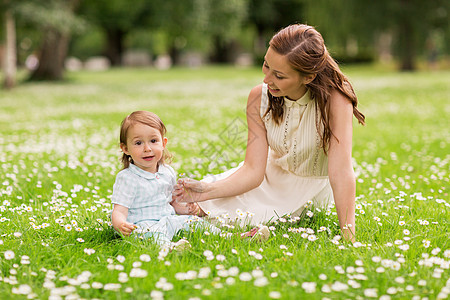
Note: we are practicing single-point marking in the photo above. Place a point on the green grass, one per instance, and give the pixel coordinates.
(59, 156)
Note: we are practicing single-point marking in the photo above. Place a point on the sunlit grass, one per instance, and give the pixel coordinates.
(59, 156)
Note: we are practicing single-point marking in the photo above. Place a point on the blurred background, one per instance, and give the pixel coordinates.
(49, 37)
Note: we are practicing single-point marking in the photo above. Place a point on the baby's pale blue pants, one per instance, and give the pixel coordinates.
(163, 230)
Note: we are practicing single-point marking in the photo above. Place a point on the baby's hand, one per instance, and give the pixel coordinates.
(126, 228)
(180, 208)
(194, 209)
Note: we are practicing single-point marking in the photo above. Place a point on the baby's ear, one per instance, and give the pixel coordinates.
(124, 148)
(165, 142)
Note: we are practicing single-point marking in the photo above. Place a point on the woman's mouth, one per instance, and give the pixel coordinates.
(273, 91)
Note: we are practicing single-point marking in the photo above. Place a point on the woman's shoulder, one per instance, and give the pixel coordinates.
(256, 95)
(256, 92)
(339, 101)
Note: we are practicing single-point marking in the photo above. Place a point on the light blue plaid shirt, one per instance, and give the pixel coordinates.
(146, 195)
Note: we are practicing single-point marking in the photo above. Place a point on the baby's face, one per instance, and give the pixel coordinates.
(145, 145)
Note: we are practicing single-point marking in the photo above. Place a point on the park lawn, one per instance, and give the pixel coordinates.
(59, 156)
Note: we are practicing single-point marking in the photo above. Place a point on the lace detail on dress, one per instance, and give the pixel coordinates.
(286, 126)
(295, 154)
(317, 148)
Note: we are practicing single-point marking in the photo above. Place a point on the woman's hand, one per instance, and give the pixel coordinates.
(189, 190)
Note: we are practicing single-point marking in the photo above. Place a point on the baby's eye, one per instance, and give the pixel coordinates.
(154, 141)
(138, 143)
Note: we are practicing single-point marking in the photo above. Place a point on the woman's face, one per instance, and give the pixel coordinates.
(281, 79)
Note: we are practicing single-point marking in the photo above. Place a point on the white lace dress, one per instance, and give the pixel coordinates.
(296, 172)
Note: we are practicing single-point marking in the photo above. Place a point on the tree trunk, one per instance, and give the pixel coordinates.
(52, 56)
(10, 53)
(260, 45)
(175, 54)
(406, 47)
(54, 51)
(224, 52)
(406, 38)
(114, 45)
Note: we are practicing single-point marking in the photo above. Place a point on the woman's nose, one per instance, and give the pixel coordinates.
(266, 79)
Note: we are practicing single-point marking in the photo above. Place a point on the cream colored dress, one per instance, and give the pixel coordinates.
(296, 172)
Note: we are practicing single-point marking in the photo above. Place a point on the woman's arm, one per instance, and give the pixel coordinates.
(119, 220)
(340, 170)
(249, 175)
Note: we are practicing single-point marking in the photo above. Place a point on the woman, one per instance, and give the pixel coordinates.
(299, 145)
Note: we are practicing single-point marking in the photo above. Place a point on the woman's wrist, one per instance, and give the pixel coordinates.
(209, 189)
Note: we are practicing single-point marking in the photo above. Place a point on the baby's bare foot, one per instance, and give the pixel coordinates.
(181, 245)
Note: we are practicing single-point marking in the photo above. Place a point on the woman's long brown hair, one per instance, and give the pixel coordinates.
(305, 51)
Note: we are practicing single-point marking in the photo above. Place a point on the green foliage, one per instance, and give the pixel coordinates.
(179, 26)
(272, 15)
(409, 23)
(351, 28)
(89, 44)
(223, 18)
(116, 13)
(54, 14)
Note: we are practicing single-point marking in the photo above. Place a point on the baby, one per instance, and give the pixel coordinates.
(142, 192)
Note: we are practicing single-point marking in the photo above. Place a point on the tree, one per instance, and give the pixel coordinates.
(209, 25)
(408, 21)
(57, 20)
(269, 16)
(117, 18)
(413, 22)
(179, 21)
(10, 67)
(225, 19)
(219, 22)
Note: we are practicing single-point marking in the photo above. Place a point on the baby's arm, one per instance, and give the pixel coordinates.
(119, 220)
